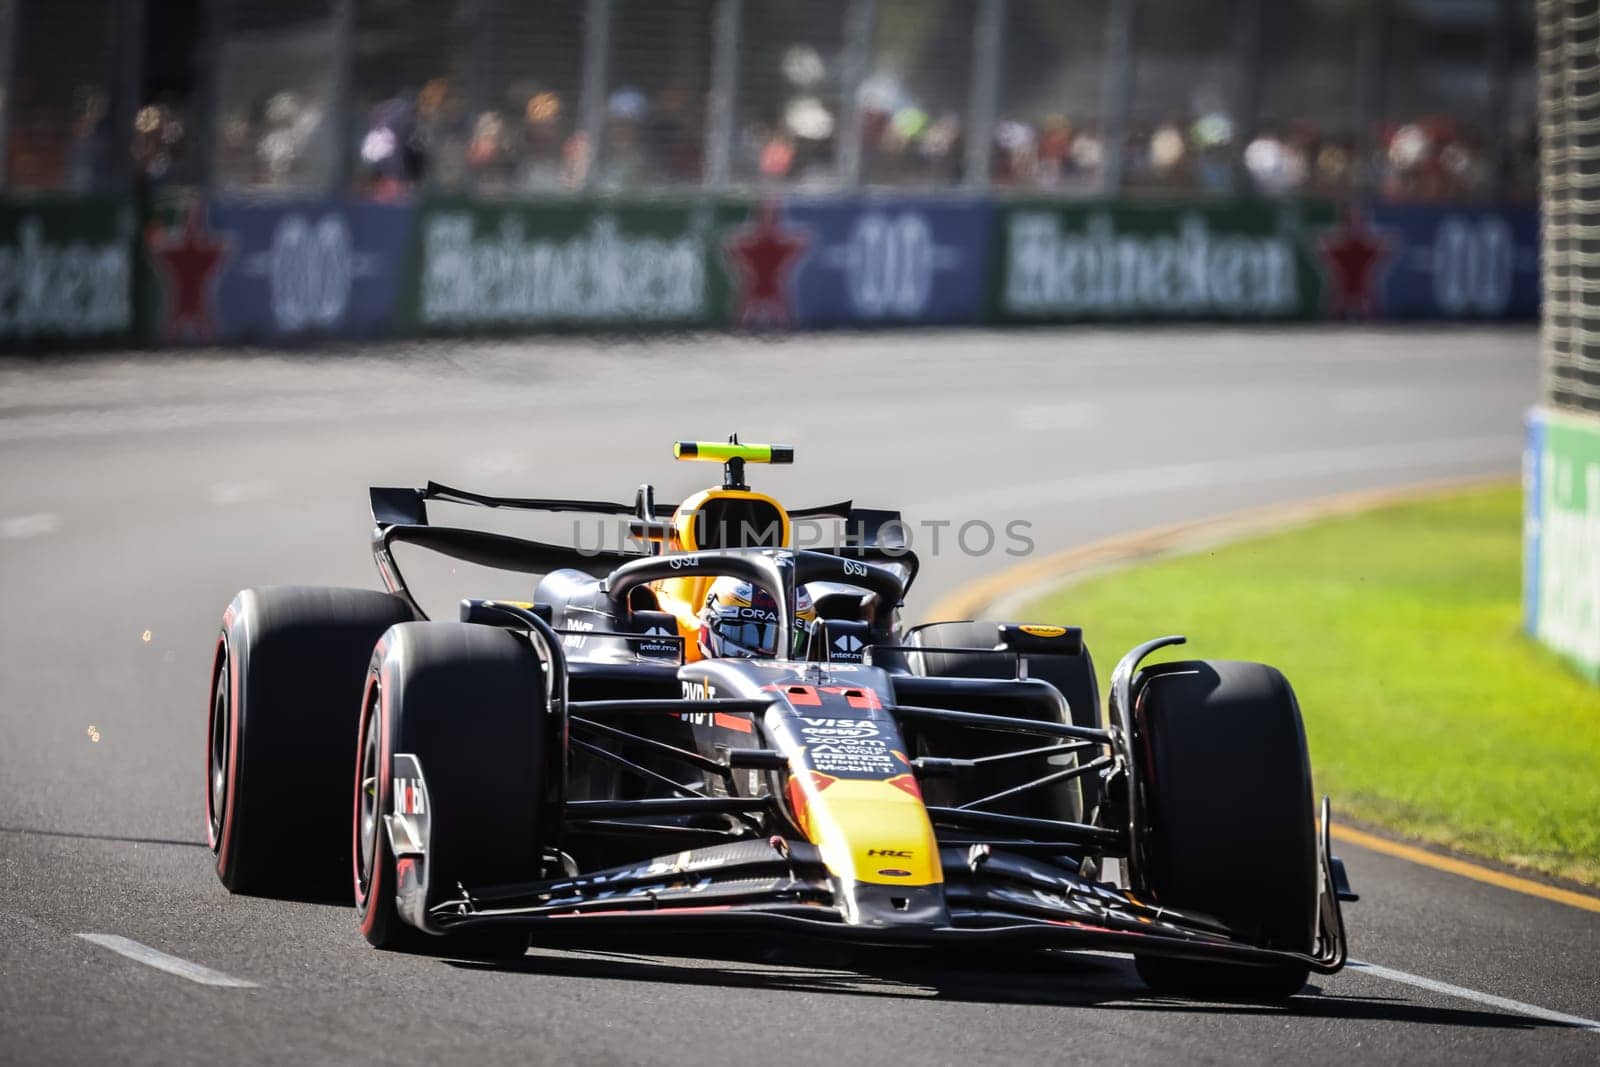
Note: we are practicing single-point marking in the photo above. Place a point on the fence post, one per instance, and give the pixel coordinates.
(480, 41)
(721, 121)
(1116, 94)
(1246, 87)
(128, 90)
(341, 106)
(860, 20)
(596, 52)
(983, 95)
(1498, 149)
(206, 113)
(1371, 59)
(8, 53)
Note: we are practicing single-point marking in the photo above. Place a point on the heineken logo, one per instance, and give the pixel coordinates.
(72, 288)
(599, 274)
(1051, 270)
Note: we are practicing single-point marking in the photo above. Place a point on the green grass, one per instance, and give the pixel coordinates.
(1427, 709)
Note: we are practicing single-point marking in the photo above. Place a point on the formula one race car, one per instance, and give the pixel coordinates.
(723, 732)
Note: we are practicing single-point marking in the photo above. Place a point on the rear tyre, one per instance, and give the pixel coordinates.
(469, 703)
(1231, 818)
(1073, 676)
(285, 705)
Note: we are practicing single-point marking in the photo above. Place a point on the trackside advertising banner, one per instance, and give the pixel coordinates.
(874, 261)
(274, 271)
(1561, 539)
(66, 273)
(1431, 262)
(86, 270)
(1247, 261)
(765, 264)
(492, 266)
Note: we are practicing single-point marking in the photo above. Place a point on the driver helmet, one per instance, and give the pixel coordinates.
(741, 620)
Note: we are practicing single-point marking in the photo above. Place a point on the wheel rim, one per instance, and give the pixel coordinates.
(219, 752)
(369, 795)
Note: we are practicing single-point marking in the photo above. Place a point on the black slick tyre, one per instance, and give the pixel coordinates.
(469, 703)
(285, 704)
(1231, 818)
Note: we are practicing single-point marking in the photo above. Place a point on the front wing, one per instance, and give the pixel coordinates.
(782, 887)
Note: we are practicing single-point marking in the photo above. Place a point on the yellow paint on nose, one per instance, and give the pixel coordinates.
(873, 831)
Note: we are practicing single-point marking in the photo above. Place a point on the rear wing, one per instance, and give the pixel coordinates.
(404, 506)
(401, 517)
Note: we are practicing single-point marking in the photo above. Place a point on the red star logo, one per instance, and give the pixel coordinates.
(1353, 256)
(188, 262)
(766, 255)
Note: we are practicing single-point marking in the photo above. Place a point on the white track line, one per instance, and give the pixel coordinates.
(225, 493)
(30, 525)
(1503, 1003)
(162, 962)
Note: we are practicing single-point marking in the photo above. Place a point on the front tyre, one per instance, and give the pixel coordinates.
(469, 703)
(1231, 818)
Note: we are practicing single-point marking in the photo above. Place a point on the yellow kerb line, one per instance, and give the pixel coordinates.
(1451, 865)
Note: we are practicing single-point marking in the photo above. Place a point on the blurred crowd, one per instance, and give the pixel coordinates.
(528, 136)
(534, 144)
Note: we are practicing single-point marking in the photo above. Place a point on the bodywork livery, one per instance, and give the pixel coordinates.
(808, 794)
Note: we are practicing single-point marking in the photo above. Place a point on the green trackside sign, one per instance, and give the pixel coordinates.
(65, 270)
(484, 265)
(1058, 262)
(1561, 539)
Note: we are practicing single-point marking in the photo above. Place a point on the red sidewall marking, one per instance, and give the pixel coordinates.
(355, 816)
(372, 904)
(230, 802)
(211, 728)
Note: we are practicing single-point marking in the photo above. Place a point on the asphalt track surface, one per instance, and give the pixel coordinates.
(137, 493)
